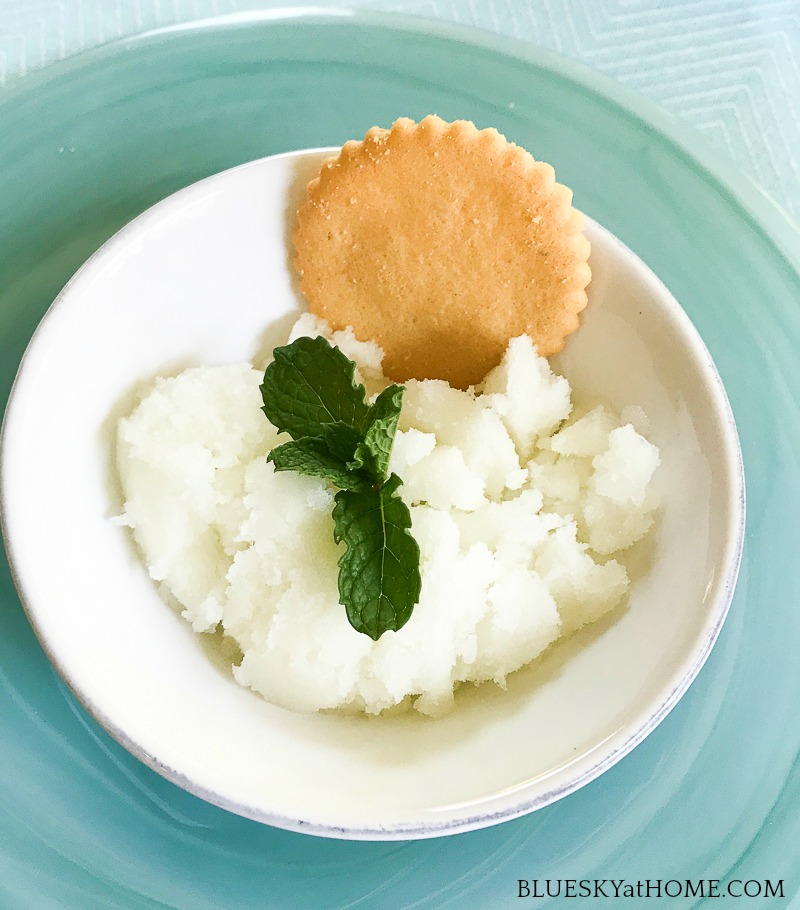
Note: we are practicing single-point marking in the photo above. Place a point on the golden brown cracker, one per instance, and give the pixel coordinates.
(441, 242)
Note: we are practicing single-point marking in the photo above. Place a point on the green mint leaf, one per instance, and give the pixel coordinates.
(341, 441)
(311, 456)
(309, 384)
(379, 577)
(373, 454)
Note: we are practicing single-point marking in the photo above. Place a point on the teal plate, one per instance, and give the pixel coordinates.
(714, 792)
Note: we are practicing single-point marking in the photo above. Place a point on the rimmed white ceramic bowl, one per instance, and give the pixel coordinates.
(204, 278)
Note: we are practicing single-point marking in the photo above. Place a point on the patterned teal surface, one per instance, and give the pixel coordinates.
(714, 791)
(727, 67)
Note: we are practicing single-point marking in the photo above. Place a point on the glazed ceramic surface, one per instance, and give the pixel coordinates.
(713, 791)
(204, 278)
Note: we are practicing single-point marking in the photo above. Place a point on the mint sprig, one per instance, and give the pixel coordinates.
(310, 392)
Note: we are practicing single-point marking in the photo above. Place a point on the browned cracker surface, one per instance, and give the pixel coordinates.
(441, 242)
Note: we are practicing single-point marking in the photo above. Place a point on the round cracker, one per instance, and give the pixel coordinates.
(441, 242)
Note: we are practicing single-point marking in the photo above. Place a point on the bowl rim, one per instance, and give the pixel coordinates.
(681, 678)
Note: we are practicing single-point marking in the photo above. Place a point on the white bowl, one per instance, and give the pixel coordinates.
(204, 278)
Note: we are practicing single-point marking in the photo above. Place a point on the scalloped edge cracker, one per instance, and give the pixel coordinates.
(441, 242)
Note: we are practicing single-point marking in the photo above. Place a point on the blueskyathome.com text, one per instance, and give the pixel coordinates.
(650, 888)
